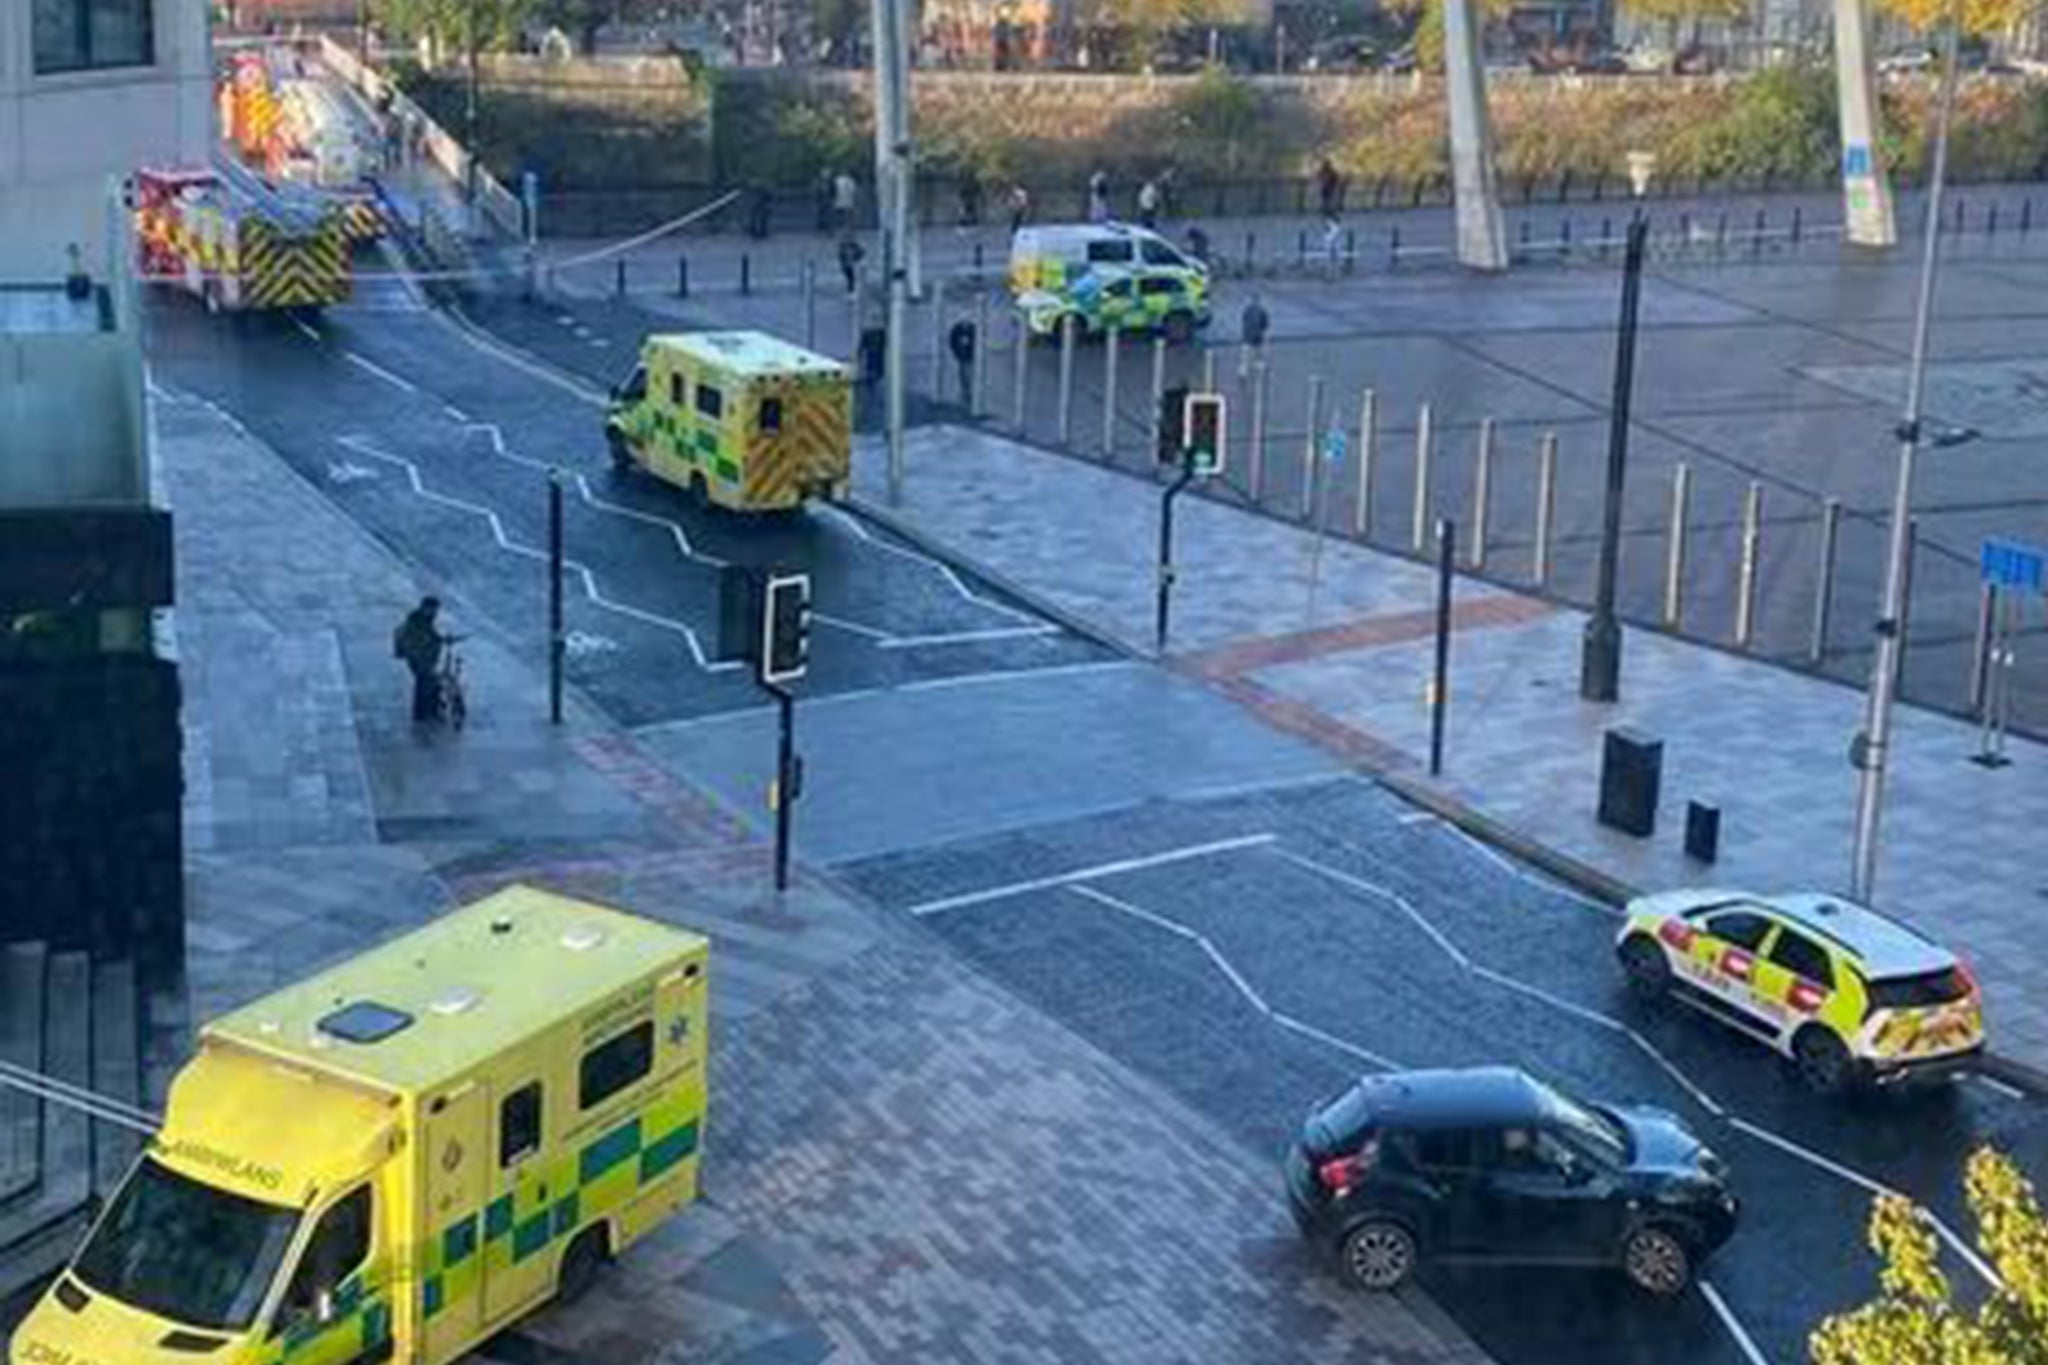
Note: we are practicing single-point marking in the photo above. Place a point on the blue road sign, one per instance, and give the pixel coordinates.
(2013, 564)
(1333, 446)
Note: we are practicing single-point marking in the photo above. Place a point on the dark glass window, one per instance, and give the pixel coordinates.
(1115, 250)
(82, 35)
(1159, 253)
(771, 414)
(675, 389)
(1740, 927)
(1803, 957)
(1443, 1149)
(337, 1247)
(610, 1067)
(1919, 992)
(1168, 286)
(519, 1124)
(710, 402)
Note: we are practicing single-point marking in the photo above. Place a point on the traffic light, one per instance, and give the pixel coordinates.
(1173, 405)
(786, 628)
(1203, 426)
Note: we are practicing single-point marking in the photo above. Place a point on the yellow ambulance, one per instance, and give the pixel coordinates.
(398, 1157)
(742, 420)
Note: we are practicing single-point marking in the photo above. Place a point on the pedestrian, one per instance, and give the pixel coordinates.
(850, 256)
(960, 340)
(1148, 203)
(417, 642)
(760, 208)
(823, 193)
(1198, 244)
(1020, 207)
(1251, 330)
(844, 193)
(1329, 188)
(970, 198)
(1098, 198)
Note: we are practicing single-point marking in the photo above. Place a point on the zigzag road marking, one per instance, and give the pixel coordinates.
(363, 446)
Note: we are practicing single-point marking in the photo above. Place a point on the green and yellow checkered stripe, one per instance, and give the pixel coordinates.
(553, 1200)
(361, 1323)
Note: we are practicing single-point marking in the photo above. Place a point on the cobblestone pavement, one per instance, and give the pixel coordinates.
(904, 1164)
(1766, 744)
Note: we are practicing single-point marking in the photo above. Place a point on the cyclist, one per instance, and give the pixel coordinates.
(418, 642)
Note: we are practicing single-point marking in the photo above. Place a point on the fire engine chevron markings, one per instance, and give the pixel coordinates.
(363, 446)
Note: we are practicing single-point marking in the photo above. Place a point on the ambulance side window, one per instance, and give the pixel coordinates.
(1739, 927)
(675, 390)
(519, 1124)
(1159, 253)
(710, 402)
(336, 1249)
(610, 1067)
(1115, 252)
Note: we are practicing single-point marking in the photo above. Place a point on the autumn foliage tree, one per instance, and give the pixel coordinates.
(1917, 1318)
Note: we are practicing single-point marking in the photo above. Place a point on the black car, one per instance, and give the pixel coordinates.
(1491, 1165)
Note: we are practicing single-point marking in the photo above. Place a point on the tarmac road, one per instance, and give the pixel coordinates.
(1254, 953)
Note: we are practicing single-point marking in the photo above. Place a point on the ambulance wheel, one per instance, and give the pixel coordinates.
(1647, 969)
(580, 1265)
(700, 492)
(1823, 1063)
(1180, 328)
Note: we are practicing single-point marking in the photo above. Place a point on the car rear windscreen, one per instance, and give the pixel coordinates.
(1918, 992)
(1342, 1124)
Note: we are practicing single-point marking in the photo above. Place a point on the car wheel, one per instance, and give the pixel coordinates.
(1823, 1063)
(1180, 328)
(1656, 1262)
(1648, 970)
(700, 491)
(580, 1265)
(1379, 1255)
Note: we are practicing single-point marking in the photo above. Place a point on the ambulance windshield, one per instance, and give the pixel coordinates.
(185, 1250)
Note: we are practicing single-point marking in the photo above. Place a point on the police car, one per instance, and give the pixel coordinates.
(1847, 994)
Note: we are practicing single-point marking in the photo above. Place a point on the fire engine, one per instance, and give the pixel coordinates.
(238, 243)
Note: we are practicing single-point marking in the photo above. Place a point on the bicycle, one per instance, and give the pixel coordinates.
(454, 701)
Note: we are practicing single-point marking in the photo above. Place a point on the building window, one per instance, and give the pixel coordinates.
(83, 35)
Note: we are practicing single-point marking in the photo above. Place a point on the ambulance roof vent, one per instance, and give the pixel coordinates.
(582, 938)
(461, 1000)
(365, 1021)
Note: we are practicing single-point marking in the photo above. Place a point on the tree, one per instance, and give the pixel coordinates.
(1916, 1319)
(1429, 27)
(1984, 17)
(1693, 12)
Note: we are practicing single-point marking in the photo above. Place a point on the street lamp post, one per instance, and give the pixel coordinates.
(1600, 657)
(1872, 750)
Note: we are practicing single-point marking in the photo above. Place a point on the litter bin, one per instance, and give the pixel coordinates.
(1631, 772)
(1702, 831)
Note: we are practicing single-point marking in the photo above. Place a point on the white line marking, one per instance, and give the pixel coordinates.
(1200, 940)
(307, 330)
(1288, 1021)
(1416, 817)
(1811, 1157)
(472, 335)
(1522, 874)
(944, 570)
(455, 413)
(374, 368)
(1997, 1086)
(1732, 1323)
(597, 598)
(1177, 855)
(967, 637)
(1398, 901)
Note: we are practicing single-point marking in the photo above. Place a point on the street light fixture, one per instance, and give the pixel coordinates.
(1873, 744)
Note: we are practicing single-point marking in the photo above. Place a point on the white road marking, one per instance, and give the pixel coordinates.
(1288, 1021)
(944, 570)
(455, 414)
(1942, 1230)
(967, 637)
(1734, 1325)
(372, 367)
(473, 336)
(1549, 884)
(1993, 1084)
(589, 580)
(496, 436)
(1416, 817)
(1398, 901)
(1200, 940)
(307, 330)
(1086, 874)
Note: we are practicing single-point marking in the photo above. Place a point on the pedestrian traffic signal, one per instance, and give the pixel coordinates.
(786, 628)
(1203, 425)
(1173, 405)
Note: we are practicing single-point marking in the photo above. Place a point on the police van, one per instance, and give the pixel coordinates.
(1106, 275)
(398, 1157)
(741, 420)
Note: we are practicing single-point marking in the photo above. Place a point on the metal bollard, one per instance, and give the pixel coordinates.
(682, 277)
(1906, 601)
(1394, 248)
(1368, 449)
(1546, 506)
(1251, 258)
(977, 258)
(1674, 548)
(938, 354)
(1311, 452)
(1021, 353)
(1991, 220)
(1824, 580)
(1419, 530)
(977, 399)
(619, 277)
(810, 283)
(746, 273)
(1756, 236)
(1350, 250)
(1721, 234)
(1109, 391)
(1745, 586)
(1482, 494)
(1685, 229)
(1798, 224)
(1208, 371)
(1980, 651)
(1257, 474)
(1606, 236)
(1066, 401)
(1158, 388)
(1564, 237)
(1301, 249)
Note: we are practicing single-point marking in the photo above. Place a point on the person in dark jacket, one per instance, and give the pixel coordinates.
(418, 643)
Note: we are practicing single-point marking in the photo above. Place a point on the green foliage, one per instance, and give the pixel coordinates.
(1916, 1319)
(1781, 126)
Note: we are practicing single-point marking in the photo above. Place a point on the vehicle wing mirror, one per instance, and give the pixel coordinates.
(323, 1307)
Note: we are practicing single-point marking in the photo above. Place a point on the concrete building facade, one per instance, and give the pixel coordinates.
(90, 89)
